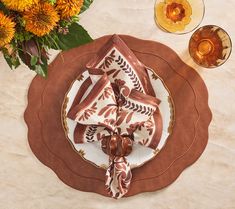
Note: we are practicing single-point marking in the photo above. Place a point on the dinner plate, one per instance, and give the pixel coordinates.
(93, 153)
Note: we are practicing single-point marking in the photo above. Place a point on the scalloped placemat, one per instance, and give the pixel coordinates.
(184, 146)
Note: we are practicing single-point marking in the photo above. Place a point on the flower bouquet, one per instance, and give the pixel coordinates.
(29, 28)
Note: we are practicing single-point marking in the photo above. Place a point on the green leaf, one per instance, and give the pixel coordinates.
(13, 62)
(16, 62)
(52, 2)
(86, 5)
(8, 62)
(41, 70)
(23, 36)
(64, 23)
(22, 58)
(77, 36)
(34, 60)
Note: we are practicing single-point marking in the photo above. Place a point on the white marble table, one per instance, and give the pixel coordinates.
(209, 184)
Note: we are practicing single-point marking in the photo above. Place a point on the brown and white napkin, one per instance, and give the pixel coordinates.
(116, 105)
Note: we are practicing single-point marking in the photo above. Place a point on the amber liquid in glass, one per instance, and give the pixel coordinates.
(175, 12)
(174, 15)
(208, 46)
(205, 47)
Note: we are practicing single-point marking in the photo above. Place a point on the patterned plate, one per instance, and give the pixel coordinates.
(92, 151)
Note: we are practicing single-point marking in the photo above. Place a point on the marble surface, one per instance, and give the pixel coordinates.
(210, 183)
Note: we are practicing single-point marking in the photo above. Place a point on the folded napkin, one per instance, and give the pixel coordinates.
(116, 105)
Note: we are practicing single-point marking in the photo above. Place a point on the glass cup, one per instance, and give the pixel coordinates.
(210, 46)
(179, 16)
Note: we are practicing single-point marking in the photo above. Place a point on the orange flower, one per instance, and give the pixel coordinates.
(19, 5)
(41, 19)
(7, 30)
(69, 8)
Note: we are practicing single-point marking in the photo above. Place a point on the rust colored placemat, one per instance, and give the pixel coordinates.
(189, 137)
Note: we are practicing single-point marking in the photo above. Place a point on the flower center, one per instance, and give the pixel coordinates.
(43, 18)
(175, 12)
(3, 34)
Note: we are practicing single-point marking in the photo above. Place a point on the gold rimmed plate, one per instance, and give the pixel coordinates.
(93, 153)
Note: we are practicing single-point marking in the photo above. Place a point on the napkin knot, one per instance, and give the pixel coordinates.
(117, 145)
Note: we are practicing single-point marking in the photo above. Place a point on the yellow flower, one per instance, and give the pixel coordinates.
(40, 19)
(7, 29)
(173, 15)
(19, 5)
(69, 8)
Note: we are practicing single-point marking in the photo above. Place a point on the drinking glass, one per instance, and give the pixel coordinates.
(179, 16)
(210, 46)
